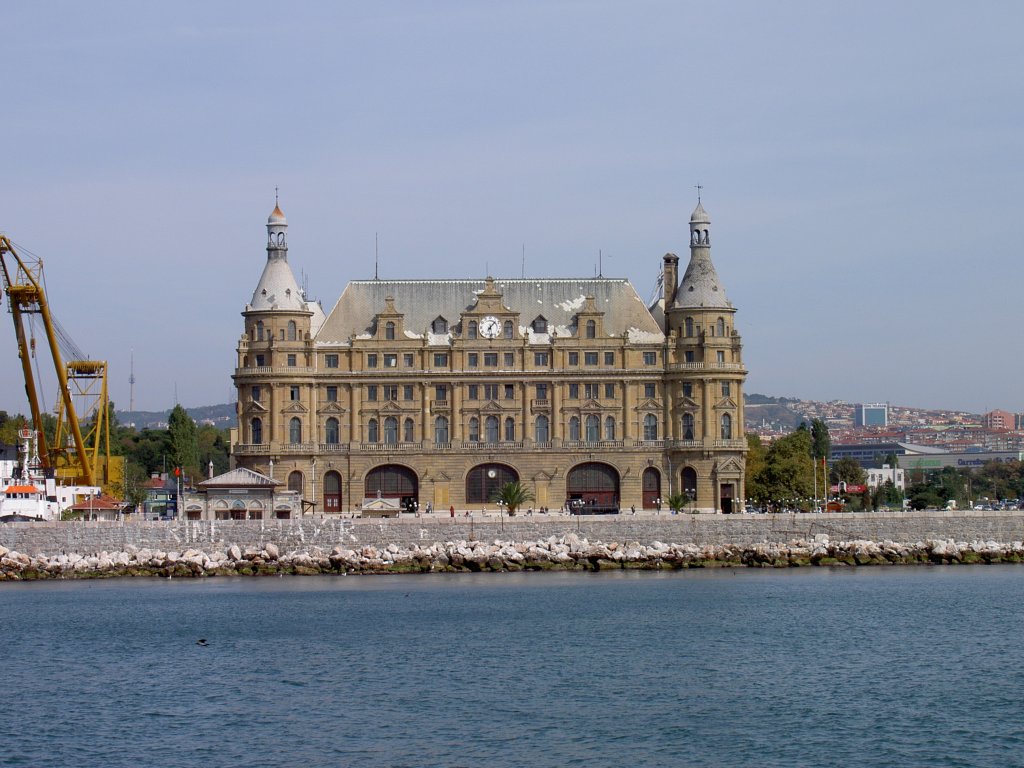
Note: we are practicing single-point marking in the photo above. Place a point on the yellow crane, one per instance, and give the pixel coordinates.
(72, 456)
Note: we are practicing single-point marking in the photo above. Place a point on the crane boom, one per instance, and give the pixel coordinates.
(23, 284)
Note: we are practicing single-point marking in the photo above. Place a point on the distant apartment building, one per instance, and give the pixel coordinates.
(886, 474)
(998, 419)
(871, 415)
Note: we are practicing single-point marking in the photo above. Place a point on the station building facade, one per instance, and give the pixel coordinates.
(434, 393)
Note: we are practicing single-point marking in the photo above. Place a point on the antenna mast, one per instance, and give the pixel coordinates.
(375, 257)
(131, 384)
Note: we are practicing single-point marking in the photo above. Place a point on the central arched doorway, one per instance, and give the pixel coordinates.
(393, 481)
(652, 488)
(332, 493)
(484, 480)
(689, 478)
(593, 486)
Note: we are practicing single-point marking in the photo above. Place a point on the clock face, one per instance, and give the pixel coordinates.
(490, 327)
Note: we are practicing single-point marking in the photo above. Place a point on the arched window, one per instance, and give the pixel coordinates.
(650, 427)
(407, 431)
(510, 429)
(259, 330)
(688, 426)
(390, 430)
(256, 427)
(491, 429)
(295, 481)
(726, 426)
(593, 429)
(688, 327)
(332, 492)
(508, 329)
(440, 325)
(373, 432)
(331, 431)
(295, 430)
(441, 429)
(690, 482)
(574, 428)
(471, 332)
(484, 480)
(541, 431)
(389, 331)
(292, 331)
(591, 329)
(720, 327)
(474, 430)
(609, 428)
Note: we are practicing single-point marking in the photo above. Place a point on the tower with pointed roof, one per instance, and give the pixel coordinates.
(704, 378)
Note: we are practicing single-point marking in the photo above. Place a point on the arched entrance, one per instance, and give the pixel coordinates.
(652, 488)
(392, 481)
(689, 478)
(332, 493)
(593, 486)
(484, 480)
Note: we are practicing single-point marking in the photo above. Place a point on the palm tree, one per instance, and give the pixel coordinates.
(677, 501)
(512, 496)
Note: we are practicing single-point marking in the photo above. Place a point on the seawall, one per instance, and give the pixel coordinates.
(699, 530)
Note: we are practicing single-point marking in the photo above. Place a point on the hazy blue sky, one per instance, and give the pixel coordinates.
(861, 163)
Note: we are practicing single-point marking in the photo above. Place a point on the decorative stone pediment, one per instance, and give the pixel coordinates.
(491, 406)
(687, 404)
(295, 407)
(391, 407)
(331, 408)
(543, 475)
(649, 404)
(726, 403)
(254, 408)
(729, 466)
(591, 405)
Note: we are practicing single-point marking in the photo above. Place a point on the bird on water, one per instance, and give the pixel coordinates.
(201, 641)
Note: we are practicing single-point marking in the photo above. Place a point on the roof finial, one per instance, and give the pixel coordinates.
(699, 187)
(276, 203)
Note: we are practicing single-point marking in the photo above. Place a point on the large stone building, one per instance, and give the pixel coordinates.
(439, 391)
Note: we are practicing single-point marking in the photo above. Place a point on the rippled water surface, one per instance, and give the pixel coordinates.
(876, 666)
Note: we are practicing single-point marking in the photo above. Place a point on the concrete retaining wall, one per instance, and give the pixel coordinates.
(717, 530)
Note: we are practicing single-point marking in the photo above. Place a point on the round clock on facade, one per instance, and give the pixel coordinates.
(490, 327)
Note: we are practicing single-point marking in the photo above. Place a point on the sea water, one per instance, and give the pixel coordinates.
(875, 666)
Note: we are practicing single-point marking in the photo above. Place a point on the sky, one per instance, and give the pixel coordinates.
(861, 164)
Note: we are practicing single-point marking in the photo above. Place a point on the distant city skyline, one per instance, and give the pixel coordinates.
(861, 166)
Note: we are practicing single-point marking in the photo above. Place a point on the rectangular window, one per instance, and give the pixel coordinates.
(260, 361)
(293, 393)
(687, 390)
(390, 361)
(474, 392)
(490, 391)
(590, 358)
(440, 392)
(255, 394)
(650, 358)
(407, 360)
(542, 391)
(510, 391)
(472, 360)
(609, 358)
(490, 359)
(390, 392)
(440, 359)
(574, 391)
(725, 389)
(649, 390)
(609, 391)
(721, 356)
(574, 358)
(591, 391)
(331, 361)
(510, 360)
(332, 394)
(371, 392)
(407, 391)
(371, 360)
(291, 361)
(540, 359)
(688, 357)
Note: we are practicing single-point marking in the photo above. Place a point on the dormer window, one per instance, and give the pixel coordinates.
(591, 329)
(540, 324)
(471, 332)
(439, 326)
(389, 331)
(507, 329)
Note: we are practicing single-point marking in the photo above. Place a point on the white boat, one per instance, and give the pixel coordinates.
(28, 495)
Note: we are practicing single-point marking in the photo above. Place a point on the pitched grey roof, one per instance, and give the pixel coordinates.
(277, 288)
(421, 301)
(700, 286)
(240, 478)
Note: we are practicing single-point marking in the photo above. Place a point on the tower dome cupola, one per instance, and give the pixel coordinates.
(277, 233)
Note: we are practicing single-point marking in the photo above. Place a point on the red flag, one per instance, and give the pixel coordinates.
(177, 471)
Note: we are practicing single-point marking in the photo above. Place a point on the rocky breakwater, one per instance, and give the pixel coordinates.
(554, 553)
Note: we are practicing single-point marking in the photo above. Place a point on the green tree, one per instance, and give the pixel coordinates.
(512, 496)
(848, 470)
(213, 446)
(821, 442)
(754, 482)
(184, 443)
(788, 475)
(677, 501)
(132, 488)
